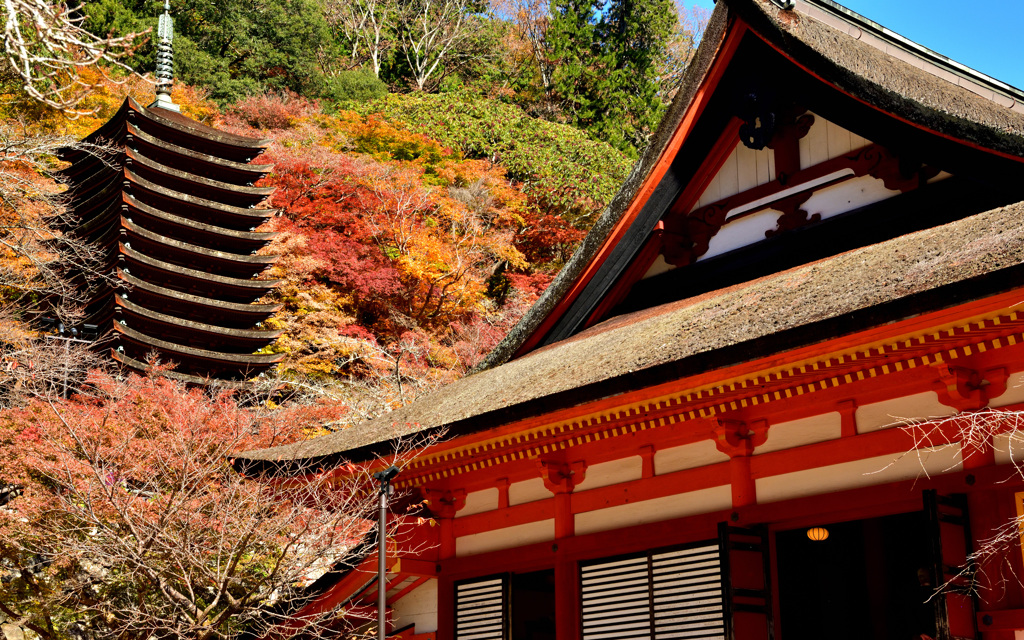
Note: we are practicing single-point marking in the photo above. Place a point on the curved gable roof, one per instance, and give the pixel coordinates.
(857, 57)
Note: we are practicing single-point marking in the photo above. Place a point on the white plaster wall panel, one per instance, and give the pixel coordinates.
(814, 145)
(614, 472)
(688, 456)
(1008, 447)
(656, 510)
(1014, 391)
(827, 202)
(418, 607)
(507, 538)
(839, 140)
(479, 501)
(527, 491)
(743, 232)
(728, 178)
(826, 140)
(895, 412)
(713, 192)
(743, 169)
(847, 196)
(859, 473)
(796, 433)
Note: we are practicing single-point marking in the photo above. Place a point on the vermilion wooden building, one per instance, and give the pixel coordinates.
(173, 212)
(823, 241)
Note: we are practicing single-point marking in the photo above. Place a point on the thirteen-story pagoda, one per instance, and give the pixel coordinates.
(174, 215)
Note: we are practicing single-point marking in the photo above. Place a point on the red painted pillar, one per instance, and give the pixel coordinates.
(561, 478)
(744, 490)
(736, 439)
(445, 606)
(998, 589)
(444, 505)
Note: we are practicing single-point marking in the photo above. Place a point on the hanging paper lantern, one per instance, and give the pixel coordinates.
(817, 534)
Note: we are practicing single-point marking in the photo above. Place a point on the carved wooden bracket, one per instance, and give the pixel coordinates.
(795, 124)
(689, 236)
(966, 389)
(445, 503)
(735, 438)
(758, 114)
(793, 217)
(562, 477)
(896, 173)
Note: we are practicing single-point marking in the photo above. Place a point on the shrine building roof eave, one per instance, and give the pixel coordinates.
(916, 88)
(144, 368)
(938, 268)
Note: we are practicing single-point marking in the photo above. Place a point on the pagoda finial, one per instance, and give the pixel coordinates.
(165, 60)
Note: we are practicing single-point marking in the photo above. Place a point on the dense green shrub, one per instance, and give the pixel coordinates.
(359, 85)
(562, 170)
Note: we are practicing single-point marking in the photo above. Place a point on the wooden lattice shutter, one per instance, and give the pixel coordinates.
(664, 594)
(950, 535)
(481, 609)
(616, 599)
(746, 583)
(687, 593)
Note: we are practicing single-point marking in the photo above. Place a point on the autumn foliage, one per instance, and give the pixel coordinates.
(405, 259)
(124, 518)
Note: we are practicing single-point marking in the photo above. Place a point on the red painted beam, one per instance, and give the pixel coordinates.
(349, 585)
(412, 587)
(409, 566)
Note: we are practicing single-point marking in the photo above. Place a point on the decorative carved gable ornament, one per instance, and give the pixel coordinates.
(687, 236)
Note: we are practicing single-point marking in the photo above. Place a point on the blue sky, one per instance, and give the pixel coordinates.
(986, 36)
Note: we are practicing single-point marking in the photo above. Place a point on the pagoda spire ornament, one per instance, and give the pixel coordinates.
(165, 61)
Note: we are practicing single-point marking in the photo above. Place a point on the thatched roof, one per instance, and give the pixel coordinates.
(930, 269)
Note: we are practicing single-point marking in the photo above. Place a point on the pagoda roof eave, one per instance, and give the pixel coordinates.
(143, 208)
(234, 359)
(136, 156)
(256, 261)
(142, 367)
(195, 274)
(102, 196)
(188, 126)
(202, 327)
(257, 170)
(213, 303)
(190, 200)
(116, 122)
(96, 221)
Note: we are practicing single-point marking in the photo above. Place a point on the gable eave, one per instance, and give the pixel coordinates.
(979, 118)
(614, 221)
